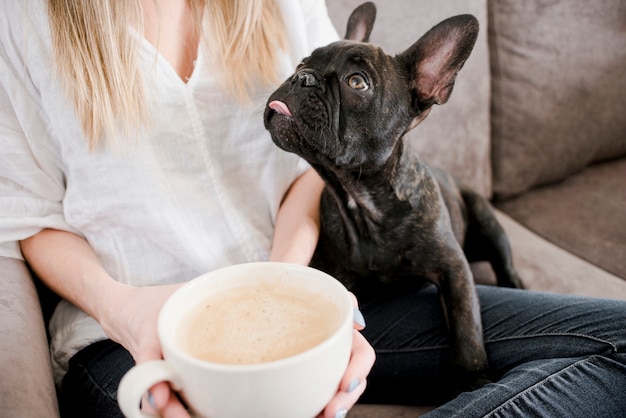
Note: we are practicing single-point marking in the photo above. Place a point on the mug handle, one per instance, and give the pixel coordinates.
(138, 380)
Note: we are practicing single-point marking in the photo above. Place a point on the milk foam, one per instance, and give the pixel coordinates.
(256, 324)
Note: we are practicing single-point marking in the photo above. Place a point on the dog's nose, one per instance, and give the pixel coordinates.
(305, 79)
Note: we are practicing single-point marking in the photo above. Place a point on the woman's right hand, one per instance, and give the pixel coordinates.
(131, 320)
(69, 266)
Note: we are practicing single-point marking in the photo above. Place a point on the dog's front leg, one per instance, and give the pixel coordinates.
(468, 357)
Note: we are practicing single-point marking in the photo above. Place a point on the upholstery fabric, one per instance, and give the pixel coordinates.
(24, 357)
(558, 86)
(584, 214)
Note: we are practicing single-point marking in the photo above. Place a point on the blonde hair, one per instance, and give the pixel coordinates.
(96, 60)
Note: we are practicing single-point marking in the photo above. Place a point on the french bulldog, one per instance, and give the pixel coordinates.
(388, 220)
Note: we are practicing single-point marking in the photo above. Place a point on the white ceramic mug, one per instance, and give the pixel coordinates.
(298, 386)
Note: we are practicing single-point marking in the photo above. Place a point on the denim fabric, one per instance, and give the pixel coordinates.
(554, 356)
(89, 388)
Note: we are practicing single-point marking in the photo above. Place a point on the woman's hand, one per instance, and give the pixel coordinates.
(132, 321)
(128, 315)
(295, 238)
(354, 380)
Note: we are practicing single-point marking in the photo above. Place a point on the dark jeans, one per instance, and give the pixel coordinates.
(556, 355)
(89, 387)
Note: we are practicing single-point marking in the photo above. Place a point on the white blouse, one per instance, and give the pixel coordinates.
(198, 190)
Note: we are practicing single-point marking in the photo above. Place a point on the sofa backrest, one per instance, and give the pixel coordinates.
(540, 98)
(558, 88)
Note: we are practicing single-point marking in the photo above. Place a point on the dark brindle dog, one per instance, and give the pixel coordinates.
(386, 217)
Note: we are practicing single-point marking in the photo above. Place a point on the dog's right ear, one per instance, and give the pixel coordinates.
(361, 23)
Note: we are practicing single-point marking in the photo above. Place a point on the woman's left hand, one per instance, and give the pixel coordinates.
(296, 235)
(354, 380)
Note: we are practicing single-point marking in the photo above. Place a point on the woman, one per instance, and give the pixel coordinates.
(133, 159)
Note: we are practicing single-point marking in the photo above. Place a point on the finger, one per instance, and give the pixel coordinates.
(343, 402)
(147, 404)
(174, 408)
(163, 401)
(157, 397)
(361, 362)
(354, 381)
(359, 319)
(355, 301)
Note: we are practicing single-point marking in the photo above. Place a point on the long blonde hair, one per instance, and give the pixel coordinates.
(96, 60)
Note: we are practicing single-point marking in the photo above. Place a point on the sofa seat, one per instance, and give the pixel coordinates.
(584, 214)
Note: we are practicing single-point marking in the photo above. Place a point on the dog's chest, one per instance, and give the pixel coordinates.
(355, 243)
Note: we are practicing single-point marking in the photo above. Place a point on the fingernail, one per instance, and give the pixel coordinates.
(342, 413)
(358, 317)
(354, 383)
(151, 401)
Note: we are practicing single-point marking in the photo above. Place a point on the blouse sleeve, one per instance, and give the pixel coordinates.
(31, 178)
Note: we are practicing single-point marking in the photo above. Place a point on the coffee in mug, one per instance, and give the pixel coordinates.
(257, 324)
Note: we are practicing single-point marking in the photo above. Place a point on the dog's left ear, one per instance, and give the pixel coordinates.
(435, 59)
(361, 23)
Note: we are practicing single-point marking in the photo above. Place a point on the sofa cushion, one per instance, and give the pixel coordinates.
(583, 214)
(558, 84)
(546, 267)
(455, 136)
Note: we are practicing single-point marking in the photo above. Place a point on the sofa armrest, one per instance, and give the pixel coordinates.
(27, 387)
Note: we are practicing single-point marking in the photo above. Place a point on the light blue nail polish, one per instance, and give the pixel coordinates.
(354, 383)
(358, 317)
(342, 413)
(151, 401)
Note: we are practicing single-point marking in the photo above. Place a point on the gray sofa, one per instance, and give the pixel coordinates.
(537, 122)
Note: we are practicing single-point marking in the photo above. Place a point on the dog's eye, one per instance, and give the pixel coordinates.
(358, 82)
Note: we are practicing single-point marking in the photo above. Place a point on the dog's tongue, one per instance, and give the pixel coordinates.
(280, 107)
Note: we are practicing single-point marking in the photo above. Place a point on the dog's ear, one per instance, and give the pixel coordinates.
(361, 23)
(435, 59)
